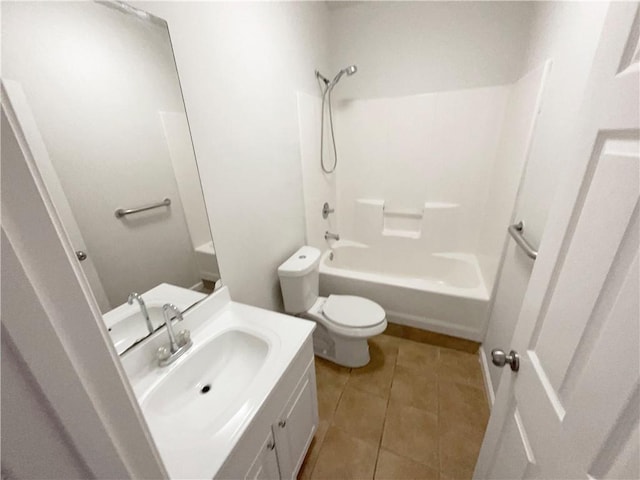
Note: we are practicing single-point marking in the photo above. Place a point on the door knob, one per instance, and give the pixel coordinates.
(500, 358)
(81, 255)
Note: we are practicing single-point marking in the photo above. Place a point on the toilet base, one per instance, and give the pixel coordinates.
(348, 352)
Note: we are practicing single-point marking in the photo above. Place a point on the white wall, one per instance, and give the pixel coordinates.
(568, 33)
(408, 48)
(95, 80)
(240, 66)
(34, 443)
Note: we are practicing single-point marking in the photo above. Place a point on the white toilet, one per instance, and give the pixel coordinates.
(344, 322)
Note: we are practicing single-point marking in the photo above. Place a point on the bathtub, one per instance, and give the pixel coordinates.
(441, 292)
(207, 263)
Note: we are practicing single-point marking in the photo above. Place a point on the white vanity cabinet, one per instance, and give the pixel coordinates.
(275, 443)
(265, 465)
(296, 425)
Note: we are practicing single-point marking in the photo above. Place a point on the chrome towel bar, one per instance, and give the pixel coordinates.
(121, 212)
(516, 231)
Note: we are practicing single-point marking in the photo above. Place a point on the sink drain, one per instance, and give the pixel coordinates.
(205, 389)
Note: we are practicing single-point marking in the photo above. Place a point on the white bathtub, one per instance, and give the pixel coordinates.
(440, 292)
(207, 262)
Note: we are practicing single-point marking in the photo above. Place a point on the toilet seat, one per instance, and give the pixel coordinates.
(353, 312)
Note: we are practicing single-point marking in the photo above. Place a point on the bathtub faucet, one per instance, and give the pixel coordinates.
(333, 236)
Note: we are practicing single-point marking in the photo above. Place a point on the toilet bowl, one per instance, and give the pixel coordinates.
(344, 322)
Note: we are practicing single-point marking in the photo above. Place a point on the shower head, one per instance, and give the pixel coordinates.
(350, 70)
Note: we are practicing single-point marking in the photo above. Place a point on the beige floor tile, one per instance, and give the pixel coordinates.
(344, 457)
(418, 357)
(461, 367)
(462, 403)
(376, 376)
(361, 415)
(466, 475)
(314, 449)
(459, 448)
(412, 433)
(415, 390)
(330, 374)
(388, 344)
(394, 467)
(328, 398)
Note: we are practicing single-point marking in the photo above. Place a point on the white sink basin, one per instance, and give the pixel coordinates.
(208, 385)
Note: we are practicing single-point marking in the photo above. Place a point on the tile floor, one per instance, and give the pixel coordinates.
(417, 411)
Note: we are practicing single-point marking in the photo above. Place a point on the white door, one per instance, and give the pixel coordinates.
(265, 465)
(572, 409)
(16, 100)
(296, 425)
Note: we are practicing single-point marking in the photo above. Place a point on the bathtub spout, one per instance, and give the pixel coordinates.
(333, 236)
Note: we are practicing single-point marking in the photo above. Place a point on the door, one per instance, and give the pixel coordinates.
(572, 408)
(265, 465)
(17, 101)
(296, 425)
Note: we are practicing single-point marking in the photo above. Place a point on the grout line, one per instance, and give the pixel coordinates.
(386, 411)
(335, 409)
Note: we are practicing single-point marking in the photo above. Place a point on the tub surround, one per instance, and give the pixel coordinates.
(428, 184)
(207, 262)
(231, 443)
(435, 149)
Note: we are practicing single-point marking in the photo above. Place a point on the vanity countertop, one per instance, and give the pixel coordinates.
(191, 449)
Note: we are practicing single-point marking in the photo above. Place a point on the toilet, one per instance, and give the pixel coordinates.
(344, 322)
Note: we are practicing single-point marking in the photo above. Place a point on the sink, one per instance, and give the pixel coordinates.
(209, 385)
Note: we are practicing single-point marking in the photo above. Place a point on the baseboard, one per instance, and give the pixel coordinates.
(433, 325)
(488, 385)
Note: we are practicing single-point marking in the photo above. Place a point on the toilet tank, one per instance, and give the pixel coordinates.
(299, 280)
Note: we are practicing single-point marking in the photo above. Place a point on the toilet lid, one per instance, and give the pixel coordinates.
(351, 311)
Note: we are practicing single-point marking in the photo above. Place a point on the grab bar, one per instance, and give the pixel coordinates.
(121, 212)
(515, 231)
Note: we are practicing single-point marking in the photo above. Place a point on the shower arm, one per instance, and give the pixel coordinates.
(323, 78)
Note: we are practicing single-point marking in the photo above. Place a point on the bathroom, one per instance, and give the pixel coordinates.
(461, 120)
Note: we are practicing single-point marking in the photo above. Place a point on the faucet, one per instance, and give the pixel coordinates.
(326, 210)
(143, 308)
(178, 344)
(328, 235)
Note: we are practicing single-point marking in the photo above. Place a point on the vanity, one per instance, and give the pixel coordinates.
(241, 403)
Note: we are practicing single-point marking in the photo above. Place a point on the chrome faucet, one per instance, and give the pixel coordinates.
(326, 210)
(178, 344)
(143, 308)
(332, 236)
